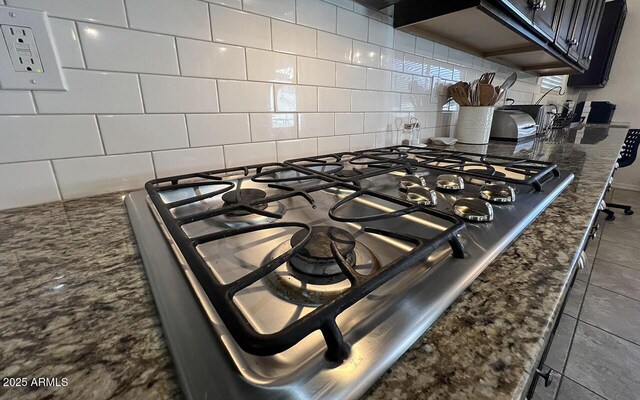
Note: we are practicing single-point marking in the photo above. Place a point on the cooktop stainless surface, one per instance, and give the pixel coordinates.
(309, 278)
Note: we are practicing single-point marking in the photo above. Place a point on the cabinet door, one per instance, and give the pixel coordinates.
(523, 7)
(564, 28)
(576, 39)
(591, 32)
(547, 16)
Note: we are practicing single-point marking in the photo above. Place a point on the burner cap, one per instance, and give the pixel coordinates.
(244, 196)
(422, 195)
(410, 181)
(348, 173)
(319, 245)
(450, 182)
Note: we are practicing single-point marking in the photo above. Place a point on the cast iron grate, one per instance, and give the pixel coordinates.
(277, 175)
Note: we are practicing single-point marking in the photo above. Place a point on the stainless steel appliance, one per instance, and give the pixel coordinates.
(307, 279)
(512, 125)
(543, 115)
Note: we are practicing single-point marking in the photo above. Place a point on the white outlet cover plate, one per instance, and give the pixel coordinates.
(51, 78)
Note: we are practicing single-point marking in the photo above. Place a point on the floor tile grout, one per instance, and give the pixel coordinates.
(612, 334)
(611, 291)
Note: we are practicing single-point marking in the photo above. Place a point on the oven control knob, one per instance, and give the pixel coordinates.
(474, 210)
(422, 195)
(450, 182)
(498, 193)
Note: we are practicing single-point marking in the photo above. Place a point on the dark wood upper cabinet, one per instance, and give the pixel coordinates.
(524, 7)
(543, 37)
(547, 17)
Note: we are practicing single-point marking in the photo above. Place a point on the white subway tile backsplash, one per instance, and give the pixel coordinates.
(100, 11)
(294, 39)
(188, 18)
(195, 81)
(315, 125)
(424, 47)
(364, 100)
(334, 47)
(380, 33)
(166, 94)
(316, 14)
(296, 98)
(16, 102)
(269, 66)
(401, 82)
(376, 122)
(238, 96)
(238, 27)
(362, 142)
(67, 42)
(211, 60)
(115, 49)
(78, 177)
(289, 149)
(228, 3)
(137, 133)
(268, 127)
(389, 101)
(334, 144)
(404, 41)
(237, 155)
(218, 129)
(184, 161)
(93, 92)
(421, 85)
(27, 138)
(334, 100)
(391, 59)
(352, 25)
(349, 123)
(348, 4)
(351, 76)
(316, 72)
(413, 64)
(281, 9)
(25, 184)
(388, 138)
(366, 54)
(440, 52)
(378, 79)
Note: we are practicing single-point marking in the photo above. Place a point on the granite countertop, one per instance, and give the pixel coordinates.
(75, 303)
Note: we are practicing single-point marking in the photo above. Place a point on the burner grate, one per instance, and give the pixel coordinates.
(323, 317)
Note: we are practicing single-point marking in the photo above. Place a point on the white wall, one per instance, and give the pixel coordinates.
(160, 87)
(622, 88)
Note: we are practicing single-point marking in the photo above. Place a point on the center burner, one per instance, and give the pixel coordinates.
(313, 276)
(244, 196)
(316, 259)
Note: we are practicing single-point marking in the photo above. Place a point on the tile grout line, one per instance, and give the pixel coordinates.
(610, 333)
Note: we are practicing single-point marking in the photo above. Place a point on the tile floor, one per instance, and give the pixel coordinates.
(596, 350)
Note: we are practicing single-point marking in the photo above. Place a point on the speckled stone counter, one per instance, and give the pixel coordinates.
(75, 304)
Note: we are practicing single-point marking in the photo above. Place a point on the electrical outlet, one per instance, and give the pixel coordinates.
(28, 56)
(22, 48)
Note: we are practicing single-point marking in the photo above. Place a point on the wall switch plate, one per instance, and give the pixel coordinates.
(28, 57)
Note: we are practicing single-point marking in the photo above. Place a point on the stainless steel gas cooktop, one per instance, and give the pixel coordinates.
(309, 278)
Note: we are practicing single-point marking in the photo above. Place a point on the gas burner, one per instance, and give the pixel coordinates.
(313, 277)
(449, 182)
(422, 195)
(474, 210)
(348, 173)
(244, 196)
(498, 193)
(410, 181)
(315, 261)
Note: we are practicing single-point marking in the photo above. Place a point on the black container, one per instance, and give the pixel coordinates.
(601, 112)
